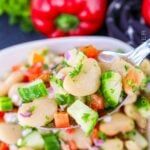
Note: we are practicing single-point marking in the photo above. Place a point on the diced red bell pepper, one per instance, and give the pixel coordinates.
(90, 51)
(1, 116)
(3, 146)
(34, 72)
(97, 102)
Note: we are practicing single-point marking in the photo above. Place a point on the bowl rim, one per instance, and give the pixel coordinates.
(51, 40)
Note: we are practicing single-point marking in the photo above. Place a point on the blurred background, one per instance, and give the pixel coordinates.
(26, 20)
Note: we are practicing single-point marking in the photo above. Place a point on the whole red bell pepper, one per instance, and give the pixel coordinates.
(57, 18)
(146, 11)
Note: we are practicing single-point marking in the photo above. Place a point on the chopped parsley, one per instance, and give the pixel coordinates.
(64, 63)
(31, 109)
(129, 135)
(44, 52)
(102, 135)
(126, 67)
(86, 117)
(132, 85)
(64, 99)
(76, 70)
(57, 81)
(45, 66)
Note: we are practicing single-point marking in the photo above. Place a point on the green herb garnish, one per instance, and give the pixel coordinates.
(76, 71)
(102, 136)
(64, 99)
(130, 134)
(59, 82)
(86, 117)
(126, 67)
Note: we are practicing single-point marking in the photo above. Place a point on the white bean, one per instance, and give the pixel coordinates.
(112, 144)
(14, 77)
(131, 145)
(3, 89)
(9, 133)
(130, 99)
(37, 113)
(118, 65)
(119, 123)
(86, 82)
(132, 112)
(26, 148)
(145, 66)
(82, 141)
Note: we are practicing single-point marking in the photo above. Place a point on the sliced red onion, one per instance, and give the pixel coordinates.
(26, 114)
(51, 92)
(98, 142)
(67, 55)
(93, 148)
(148, 87)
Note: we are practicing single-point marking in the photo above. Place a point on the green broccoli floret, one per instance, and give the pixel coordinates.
(143, 106)
(111, 87)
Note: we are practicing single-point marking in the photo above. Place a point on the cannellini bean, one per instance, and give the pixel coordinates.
(9, 133)
(130, 99)
(132, 112)
(64, 146)
(26, 148)
(13, 78)
(86, 82)
(14, 95)
(82, 141)
(37, 113)
(140, 140)
(119, 123)
(63, 72)
(145, 66)
(3, 89)
(117, 64)
(131, 145)
(112, 144)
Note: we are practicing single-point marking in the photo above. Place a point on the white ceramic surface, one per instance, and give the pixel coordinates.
(13, 55)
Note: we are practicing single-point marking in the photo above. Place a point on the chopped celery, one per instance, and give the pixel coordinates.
(83, 115)
(143, 106)
(33, 140)
(111, 86)
(5, 104)
(33, 90)
(51, 142)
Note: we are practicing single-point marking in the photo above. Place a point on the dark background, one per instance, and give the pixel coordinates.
(10, 35)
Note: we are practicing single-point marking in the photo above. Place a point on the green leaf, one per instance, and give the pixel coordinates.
(18, 12)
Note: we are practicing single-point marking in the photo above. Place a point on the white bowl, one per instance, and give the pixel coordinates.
(13, 55)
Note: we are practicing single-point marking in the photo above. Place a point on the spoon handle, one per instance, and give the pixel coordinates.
(140, 53)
